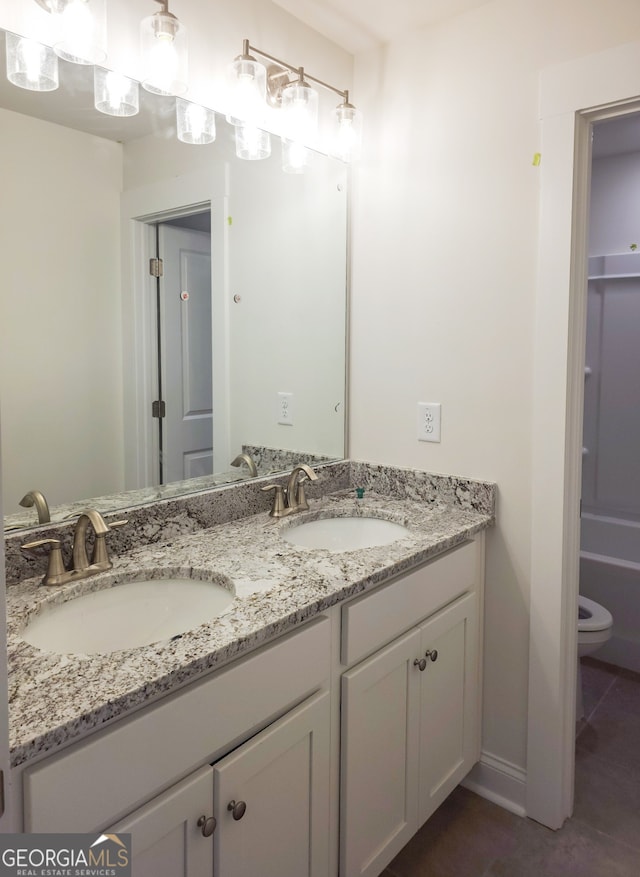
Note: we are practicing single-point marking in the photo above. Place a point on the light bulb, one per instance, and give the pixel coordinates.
(247, 84)
(300, 111)
(348, 142)
(115, 94)
(163, 63)
(30, 64)
(296, 158)
(163, 44)
(195, 124)
(82, 27)
(252, 143)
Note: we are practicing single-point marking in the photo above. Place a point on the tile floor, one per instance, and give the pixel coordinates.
(470, 837)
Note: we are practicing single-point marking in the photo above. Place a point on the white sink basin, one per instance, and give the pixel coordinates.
(125, 616)
(344, 533)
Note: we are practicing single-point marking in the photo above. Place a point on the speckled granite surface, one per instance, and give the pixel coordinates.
(54, 699)
(267, 460)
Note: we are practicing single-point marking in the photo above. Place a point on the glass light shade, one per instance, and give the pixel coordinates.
(247, 91)
(252, 143)
(30, 64)
(296, 158)
(299, 112)
(195, 124)
(348, 142)
(163, 46)
(115, 94)
(81, 30)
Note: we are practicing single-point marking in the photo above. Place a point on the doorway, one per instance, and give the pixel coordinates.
(182, 409)
(610, 519)
(607, 84)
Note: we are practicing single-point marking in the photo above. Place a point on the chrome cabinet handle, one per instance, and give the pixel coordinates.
(420, 663)
(237, 808)
(207, 825)
(431, 654)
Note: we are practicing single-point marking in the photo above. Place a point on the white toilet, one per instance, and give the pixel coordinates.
(595, 624)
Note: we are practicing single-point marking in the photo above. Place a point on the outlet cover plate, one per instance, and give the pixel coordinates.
(285, 409)
(429, 421)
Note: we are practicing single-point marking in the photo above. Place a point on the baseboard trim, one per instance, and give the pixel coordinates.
(500, 782)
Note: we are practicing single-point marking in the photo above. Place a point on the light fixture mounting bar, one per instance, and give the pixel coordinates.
(249, 48)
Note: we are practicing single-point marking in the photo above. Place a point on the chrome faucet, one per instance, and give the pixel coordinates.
(37, 499)
(292, 498)
(81, 568)
(248, 459)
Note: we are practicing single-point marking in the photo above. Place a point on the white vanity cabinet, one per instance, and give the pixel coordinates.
(410, 711)
(263, 809)
(166, 837)
(272, 799)
(319, 754)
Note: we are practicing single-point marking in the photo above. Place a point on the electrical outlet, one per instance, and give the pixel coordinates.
(429, 421)
(285, 409)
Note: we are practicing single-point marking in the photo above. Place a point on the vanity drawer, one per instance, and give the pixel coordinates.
(105, 777)
(376, 618)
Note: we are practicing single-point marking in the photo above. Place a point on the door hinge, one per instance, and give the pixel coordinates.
(156, 267)
(158, 409)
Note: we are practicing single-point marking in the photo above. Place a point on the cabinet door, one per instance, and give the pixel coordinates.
(281, 777)
(449, 734)
(166, 840)
(380, 725)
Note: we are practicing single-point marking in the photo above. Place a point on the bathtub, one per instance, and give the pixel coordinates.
(610, 575)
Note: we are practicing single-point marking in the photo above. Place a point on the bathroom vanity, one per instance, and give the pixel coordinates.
(310, 730)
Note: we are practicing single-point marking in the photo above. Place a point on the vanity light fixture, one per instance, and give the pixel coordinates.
(195, 124)
(115, 94)
(79, 29)
(30, 64)
(163, 44)
(297, 101)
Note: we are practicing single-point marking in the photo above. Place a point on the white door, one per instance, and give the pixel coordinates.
(186, 353)
(449, 739)
(272, 799)
(166, 839)
(380, 745)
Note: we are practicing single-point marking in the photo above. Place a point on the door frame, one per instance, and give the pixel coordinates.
(8, 816)
(141, 208)
(572, 96)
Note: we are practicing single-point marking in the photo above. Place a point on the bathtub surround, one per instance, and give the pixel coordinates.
(610, 522)
(276, 585)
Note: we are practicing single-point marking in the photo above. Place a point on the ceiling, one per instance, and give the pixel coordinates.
(357, 25)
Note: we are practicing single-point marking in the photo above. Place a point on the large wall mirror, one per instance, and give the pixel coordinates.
(242, 337)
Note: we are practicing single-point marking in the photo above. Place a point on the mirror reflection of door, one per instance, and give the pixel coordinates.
(185, 382)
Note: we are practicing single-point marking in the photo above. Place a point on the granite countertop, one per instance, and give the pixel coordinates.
(54, 699)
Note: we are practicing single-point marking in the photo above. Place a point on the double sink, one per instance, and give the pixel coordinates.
(143, 611)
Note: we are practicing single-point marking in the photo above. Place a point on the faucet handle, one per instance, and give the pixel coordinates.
(100, 555)
(55, 564)
(301, 503)
(115, 525)
(278, 509)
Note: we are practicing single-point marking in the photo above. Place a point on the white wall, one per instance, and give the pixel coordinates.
(60, 356)
(445, 251)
